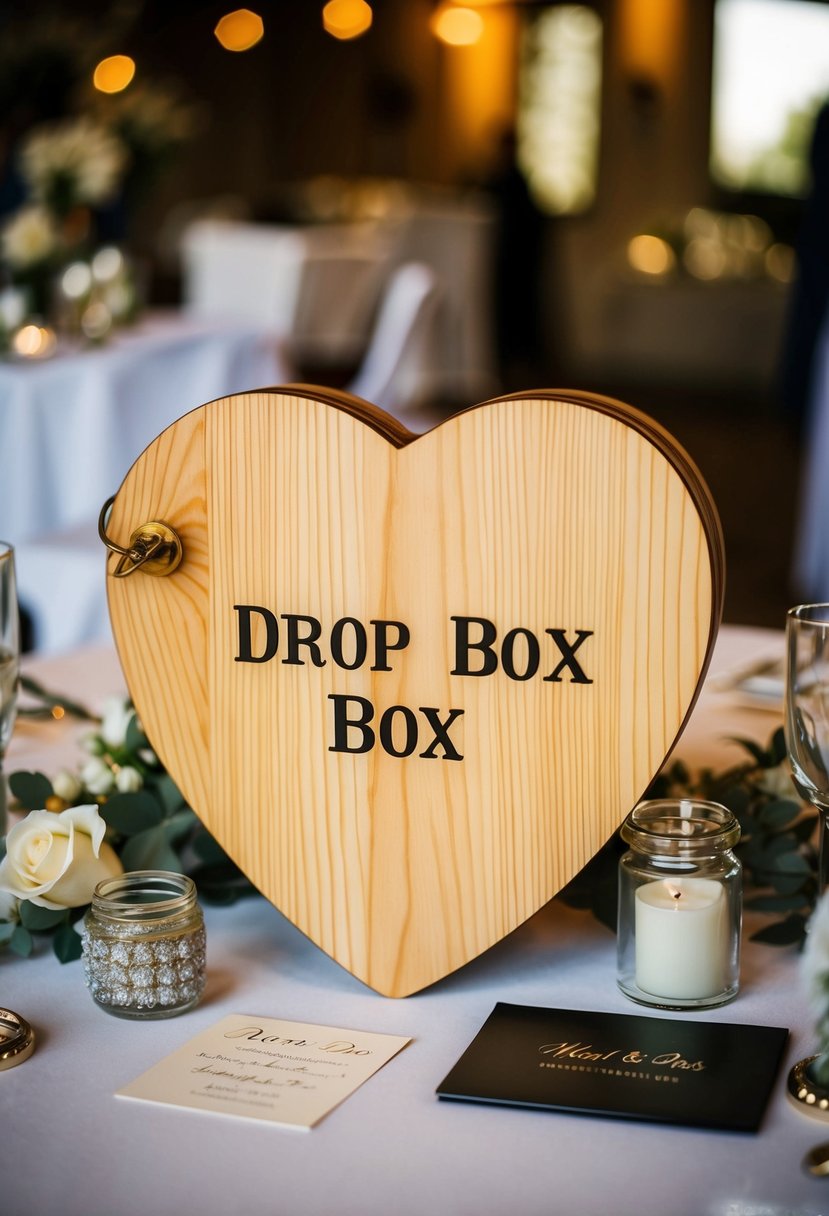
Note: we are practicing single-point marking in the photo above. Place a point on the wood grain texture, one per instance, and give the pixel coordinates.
(535, 512)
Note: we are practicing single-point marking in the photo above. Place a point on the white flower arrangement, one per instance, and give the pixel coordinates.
(73, 163)
(30, 237)
(121, 811)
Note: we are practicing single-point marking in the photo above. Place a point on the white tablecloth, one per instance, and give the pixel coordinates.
(71, 1148)
(71, 426)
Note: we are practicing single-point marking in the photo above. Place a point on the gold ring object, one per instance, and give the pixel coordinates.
(17, 1039)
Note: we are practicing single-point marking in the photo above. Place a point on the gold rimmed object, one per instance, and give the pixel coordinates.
(17, 1039)
(806, 1094)
(154, 547)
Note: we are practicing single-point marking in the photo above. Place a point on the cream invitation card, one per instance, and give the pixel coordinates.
(288, 1073)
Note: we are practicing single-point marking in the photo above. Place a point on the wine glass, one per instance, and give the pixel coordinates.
(807, 715)
(9, 661)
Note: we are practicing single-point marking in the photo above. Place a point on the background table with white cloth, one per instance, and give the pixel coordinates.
(71, 427)
(72, 1148)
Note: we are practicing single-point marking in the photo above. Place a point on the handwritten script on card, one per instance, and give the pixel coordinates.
(287, 1073)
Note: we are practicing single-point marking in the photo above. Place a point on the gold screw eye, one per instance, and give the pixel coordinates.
(154, 547)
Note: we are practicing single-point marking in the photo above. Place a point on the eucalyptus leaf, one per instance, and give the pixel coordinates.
(40, 919)
(130, 814)
(178, 825)
(777, 746)
(31, 789)
(7, 928)
(150, 850)
(736, 798)
(776, 903)
(2, 845)
(757, 752)
(778, 814)
(21, 941)
(778, 846)
(67, 944)
(134, 737)
(785, 884)
(793, 863)
(784, 933)
(169, 793)
(49, 700)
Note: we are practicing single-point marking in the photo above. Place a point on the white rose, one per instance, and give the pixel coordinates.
(128, 780)
(56, 861)
(97, 776)
(66, 785)
(116, 719)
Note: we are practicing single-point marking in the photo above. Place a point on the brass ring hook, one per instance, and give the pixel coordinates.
(154, 547)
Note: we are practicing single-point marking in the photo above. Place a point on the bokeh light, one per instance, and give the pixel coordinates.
(33, 342)
(457, 26)
(346, 19)
(76, 280)
(112, 75)
(650, 255)
(240, 30)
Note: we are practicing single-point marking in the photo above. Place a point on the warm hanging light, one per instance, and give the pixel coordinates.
(112, 75)
(650, 255)
(346, 19)
(240, 30)
(457, 26)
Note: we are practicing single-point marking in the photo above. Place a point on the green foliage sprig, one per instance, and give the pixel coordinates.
(149, 826)
(776, 848)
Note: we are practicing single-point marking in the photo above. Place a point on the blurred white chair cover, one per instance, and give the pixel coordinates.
(398, 372)
(336, 303)
(456, 237)
(317, 286)
(245, 271)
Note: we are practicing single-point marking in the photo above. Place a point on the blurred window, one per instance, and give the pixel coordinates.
(559, 106)
(771, 74)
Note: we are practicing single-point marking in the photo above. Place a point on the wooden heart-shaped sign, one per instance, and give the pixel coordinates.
(413, 684)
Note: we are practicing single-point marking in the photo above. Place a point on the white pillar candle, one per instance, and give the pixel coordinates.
(682, 938)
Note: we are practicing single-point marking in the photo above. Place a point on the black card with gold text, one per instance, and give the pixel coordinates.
(706, 1074)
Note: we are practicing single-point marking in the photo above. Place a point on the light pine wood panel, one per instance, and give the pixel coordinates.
(160, 624)
(539, 512)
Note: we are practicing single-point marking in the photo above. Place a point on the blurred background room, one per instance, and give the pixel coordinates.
(426, 203)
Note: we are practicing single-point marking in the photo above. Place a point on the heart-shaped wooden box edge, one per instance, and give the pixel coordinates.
(139, 669)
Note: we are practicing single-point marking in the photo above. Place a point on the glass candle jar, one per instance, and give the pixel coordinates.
(144, 945)
(680, 905)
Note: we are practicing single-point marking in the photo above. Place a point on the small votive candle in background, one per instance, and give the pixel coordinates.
(144, 945)
(680, 905)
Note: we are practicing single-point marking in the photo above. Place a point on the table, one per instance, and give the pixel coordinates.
(71, 426)
(72, 1148)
